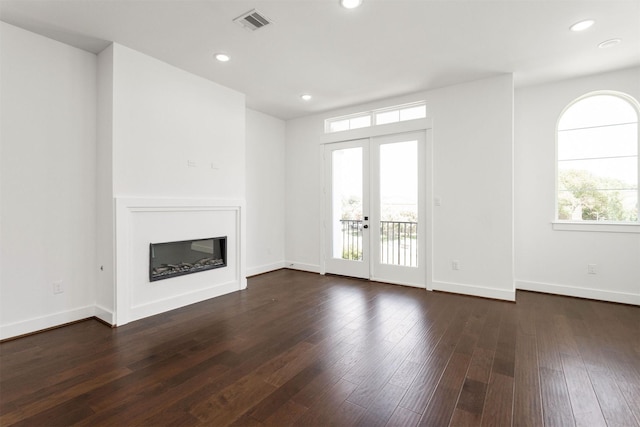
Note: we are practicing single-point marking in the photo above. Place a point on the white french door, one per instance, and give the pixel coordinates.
(375, 208)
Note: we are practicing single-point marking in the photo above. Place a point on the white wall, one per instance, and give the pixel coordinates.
(265, 176)
(555, 261)
(302, 192)
(165, 118)
(173, 136)
(47, 179)
(105, 231)
(473, 176)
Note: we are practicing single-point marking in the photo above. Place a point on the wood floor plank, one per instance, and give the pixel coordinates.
(612, 402)
(421, 390)
(498, 402)
(382, 407)
(52, 400)
(556, 405)
(381, 374)
(346, 414)
(445, 397)
(584, 403)
(470, 403)
(402, 417)
(631, 393)
(66, 413)
(285, 415)
(301, 349)
(233, 401)
(547, 344)
(321, 411)
(527, 406)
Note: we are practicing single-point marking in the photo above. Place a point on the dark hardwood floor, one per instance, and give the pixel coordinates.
(303, 349)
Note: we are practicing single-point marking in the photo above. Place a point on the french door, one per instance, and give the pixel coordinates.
(374, 225)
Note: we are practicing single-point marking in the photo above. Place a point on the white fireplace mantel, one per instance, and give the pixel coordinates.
(141, 221)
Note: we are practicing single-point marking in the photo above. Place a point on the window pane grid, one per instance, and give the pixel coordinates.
(597, 126)
(597, 160)
(382, 116)
(598, 142)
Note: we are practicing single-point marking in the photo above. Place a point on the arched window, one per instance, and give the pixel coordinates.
(597, 152)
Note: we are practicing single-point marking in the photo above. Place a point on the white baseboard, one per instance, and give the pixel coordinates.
(105, 315)
(397, 282)
(45, 322)
(574, 291)
(311, 268)
(477, 291)
(254, 271)
(160, 306)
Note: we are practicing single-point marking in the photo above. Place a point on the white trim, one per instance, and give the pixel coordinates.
(107, 316)
(473, 290)
(177, 301)
(380, 130)
(396, 282)
(595, 226)
(574, 291)
(561, 224)
(261, 269)
(45, 322)
(391, 273)
(322, 268)
(430, 205)
(371, 114)
(362, 268)
(311, 268)
(422, 126)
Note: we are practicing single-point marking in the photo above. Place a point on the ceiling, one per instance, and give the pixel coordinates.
(343, 57)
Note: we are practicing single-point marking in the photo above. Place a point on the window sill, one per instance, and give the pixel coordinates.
(596, 226)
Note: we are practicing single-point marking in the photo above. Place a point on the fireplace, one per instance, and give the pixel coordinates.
(173, 259)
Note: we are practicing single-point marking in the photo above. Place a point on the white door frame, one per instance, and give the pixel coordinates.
(424, 125)
(361, 268)
(390, 273)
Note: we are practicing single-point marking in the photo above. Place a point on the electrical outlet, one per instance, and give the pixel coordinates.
(58, 288)
(455, 264)
(591, 269)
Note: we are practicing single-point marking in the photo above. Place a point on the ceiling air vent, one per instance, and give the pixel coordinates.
(252, 20)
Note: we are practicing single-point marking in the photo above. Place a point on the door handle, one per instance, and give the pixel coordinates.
(365, 226)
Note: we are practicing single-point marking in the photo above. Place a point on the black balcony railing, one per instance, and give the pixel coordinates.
(351, 239)
(398, 242)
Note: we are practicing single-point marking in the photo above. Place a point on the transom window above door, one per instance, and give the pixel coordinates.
(381, 116)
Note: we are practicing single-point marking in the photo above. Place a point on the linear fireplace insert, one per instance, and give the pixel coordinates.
(173, 259)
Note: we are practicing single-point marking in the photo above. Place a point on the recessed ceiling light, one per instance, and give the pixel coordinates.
(222, 57)
(305, 97)
(350, 4)
(582, 25)
(609, 43)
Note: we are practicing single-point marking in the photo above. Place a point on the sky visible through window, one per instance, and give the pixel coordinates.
(598, 141)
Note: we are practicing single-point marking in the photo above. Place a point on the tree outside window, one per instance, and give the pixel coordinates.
(597, 143)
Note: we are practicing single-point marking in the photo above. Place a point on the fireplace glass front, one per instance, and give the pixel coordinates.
(173, 259)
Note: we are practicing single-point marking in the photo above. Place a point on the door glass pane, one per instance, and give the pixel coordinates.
(399, 203)
(347, 203)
